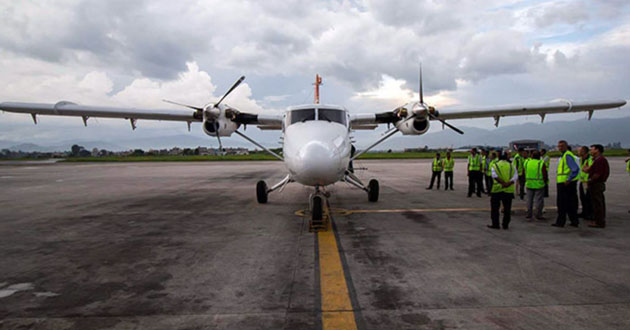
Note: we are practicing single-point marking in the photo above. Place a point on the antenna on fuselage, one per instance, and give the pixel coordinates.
(318, 81)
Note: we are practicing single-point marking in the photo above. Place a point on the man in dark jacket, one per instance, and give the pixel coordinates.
(598, 174)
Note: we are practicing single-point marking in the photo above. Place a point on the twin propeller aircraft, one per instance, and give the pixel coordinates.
(317, 149)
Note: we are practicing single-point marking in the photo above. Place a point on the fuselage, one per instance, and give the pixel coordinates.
(316, 144)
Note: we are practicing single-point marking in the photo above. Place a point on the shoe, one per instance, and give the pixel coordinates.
(468, 196)
(493, 227)
(557, 225)
(528, 217)
(541, 218)
(478, 195)
(428, 188)
(594, 225)
(505, 227)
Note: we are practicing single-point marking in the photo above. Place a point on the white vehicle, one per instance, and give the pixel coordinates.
(317, 148)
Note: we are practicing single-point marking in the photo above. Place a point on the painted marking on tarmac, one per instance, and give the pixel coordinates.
(337, 311)
(345, 212)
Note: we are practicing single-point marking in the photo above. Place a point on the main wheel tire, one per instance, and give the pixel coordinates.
(373, 191)
(261, 192)
(318, 209)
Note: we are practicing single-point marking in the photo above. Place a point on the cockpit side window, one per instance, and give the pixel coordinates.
(332, 115)
(301, 115)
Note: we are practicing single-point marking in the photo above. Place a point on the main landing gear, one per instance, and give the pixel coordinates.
(262, 191)
(372, 188)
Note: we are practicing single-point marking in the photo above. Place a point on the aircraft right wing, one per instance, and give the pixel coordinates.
(562, 106)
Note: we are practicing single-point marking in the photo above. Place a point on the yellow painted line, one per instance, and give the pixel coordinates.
(337, 312)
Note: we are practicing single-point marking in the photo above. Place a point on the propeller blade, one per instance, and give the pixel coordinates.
(184, 105)
(238, 82)
(420, 85)
(445, 123)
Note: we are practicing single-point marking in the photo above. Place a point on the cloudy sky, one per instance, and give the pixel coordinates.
(136, 53)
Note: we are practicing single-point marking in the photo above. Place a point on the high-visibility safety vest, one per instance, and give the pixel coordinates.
(564, 171)
(518, 162)
(437, 165)
(474, 162)
(534, 174)
(628, 167)
(583, 176)
(449, 164)
(505, 171)
(489, 170)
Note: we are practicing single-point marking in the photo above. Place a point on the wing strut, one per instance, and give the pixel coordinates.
(259, 145)
(379, 141)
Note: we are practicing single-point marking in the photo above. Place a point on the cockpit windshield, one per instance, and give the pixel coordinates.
(329, 115)
(302, 115)
(332, 115)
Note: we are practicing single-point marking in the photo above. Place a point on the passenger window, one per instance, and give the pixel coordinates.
(302, 115)
(332, 115)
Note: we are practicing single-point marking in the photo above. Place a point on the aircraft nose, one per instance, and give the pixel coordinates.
(319, 162)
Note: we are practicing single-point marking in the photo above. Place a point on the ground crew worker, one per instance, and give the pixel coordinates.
(492, 159)
(449, 165)
(535, 177)
(436, 167)
(584, 192)
(598, 174)
(474, 173)
(485, 159)
(566, 184)
(504, 177)
(519, 163)
(546, 160)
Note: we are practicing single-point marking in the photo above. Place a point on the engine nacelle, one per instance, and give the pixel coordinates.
(416, 126)
(220, 125)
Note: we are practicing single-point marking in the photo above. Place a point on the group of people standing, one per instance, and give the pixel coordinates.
(527, 174)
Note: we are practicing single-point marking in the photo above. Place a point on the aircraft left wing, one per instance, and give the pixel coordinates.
(65, 108)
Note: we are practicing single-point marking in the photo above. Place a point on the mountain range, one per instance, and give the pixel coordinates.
(602, 131)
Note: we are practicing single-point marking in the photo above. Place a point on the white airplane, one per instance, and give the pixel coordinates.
(317, 149)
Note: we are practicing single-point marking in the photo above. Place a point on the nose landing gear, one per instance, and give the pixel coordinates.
(320, 210)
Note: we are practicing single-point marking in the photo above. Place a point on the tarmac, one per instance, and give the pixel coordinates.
(186, 246)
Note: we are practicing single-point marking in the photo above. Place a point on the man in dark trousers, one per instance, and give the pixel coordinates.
(585, 192)
(519, 163)
(566, 185)
(535, 178)
(504, 177)
(436, 167)
(545, 158)
(598, 174)
(474, 173)
(449, 165)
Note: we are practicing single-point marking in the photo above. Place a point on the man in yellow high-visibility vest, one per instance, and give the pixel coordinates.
(566, 185)
(449, 165)
(584, 190)
(504, 176)
(519, 163)
(535, 177)
(492, 159)
(436, 169)
(474, 173)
